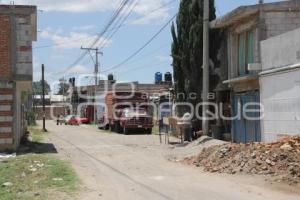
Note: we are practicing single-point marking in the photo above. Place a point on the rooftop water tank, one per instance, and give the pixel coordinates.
(158, 77)
(168, 77)
(110, 77)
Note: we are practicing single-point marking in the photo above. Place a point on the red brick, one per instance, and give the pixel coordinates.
(6, 102)
(6, 124)
(4, 91)
(5, 37)
(5, 135)
(6, 113)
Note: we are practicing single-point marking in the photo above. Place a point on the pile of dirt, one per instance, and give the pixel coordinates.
(280, 161)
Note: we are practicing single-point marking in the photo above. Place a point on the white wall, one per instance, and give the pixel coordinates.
(280, 95)
(280, 91)
(281, 50)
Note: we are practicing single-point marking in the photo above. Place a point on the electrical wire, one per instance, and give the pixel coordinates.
(119, 24)
(111, 21)
(109, 30)
(141, 48)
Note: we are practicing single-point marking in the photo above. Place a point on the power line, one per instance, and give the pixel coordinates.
(140, 58)
(111, 21)
(142, 67)
(109, 30)
(122, 21)
(141, 48)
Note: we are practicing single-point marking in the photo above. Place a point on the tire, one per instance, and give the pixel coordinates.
(112, 128)
(149, 131)
(107, 127)
(118, 128)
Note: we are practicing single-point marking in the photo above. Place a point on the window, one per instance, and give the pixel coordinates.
(245, 51)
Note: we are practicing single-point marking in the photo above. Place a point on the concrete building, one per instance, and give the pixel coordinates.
(18, 30)
(280, 85)
(245, 27)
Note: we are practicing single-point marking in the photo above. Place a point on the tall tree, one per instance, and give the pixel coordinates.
(63, 88)
(37, 88)
(187, 48)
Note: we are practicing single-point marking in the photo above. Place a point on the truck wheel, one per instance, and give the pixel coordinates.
(118, 128)
(107, 127)
(125, 131)
(149, 131)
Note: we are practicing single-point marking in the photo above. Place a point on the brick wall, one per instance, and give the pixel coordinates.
(5, 68)
(6, 112)
(51, 112)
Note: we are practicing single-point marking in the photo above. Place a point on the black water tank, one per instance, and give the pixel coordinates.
(110, 77)
(168, 77)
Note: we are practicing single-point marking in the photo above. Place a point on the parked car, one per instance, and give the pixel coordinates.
(76, 120)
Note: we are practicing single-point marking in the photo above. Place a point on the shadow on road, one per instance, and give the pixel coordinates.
(37, 148)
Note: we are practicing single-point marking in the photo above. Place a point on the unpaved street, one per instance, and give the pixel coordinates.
(127, 167)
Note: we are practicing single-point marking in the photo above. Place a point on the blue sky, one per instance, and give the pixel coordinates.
(71, 24)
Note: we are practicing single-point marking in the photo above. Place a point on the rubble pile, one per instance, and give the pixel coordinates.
(278, 160)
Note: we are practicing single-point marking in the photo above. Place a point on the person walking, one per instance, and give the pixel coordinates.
(58, 119)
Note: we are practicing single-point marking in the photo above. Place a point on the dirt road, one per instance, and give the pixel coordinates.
(127, 167)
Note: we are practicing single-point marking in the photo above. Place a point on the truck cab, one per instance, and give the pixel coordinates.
(136, 118)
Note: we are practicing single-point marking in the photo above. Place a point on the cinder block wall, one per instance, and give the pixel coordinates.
(279, 22)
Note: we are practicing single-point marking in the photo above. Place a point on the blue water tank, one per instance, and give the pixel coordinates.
(158, 77)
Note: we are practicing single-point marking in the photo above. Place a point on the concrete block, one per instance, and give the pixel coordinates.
(5, 108)
(6, 97)
(6, 141)
(277, 21)
(24, 69)
(6, 119)
(5, 84)
(21, 20)
(5, 130)
(24, 58)
(24, 36)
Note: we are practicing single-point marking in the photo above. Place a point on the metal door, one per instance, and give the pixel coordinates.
(246, 126)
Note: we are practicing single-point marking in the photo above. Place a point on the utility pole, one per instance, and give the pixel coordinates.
(96, 71)
(43, 98)
(205, 126)
(63, 84)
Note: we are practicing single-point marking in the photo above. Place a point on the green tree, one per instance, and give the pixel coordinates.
(187, 48)
(38, 89)
(63, 88)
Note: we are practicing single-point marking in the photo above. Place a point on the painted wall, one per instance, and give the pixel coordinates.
(280, 96)
(280, 92)
(281, 51)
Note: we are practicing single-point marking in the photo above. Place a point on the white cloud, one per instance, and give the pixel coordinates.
(78, 69)
(70, 5)
(143, 8)
(84, 28)
(149, 12)
(72, 40)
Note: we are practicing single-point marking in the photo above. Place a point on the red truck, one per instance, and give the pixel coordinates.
(127, 111)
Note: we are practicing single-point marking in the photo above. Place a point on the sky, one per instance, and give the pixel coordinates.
(66, 25)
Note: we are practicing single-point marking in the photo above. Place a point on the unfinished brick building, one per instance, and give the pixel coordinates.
(17, 31)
